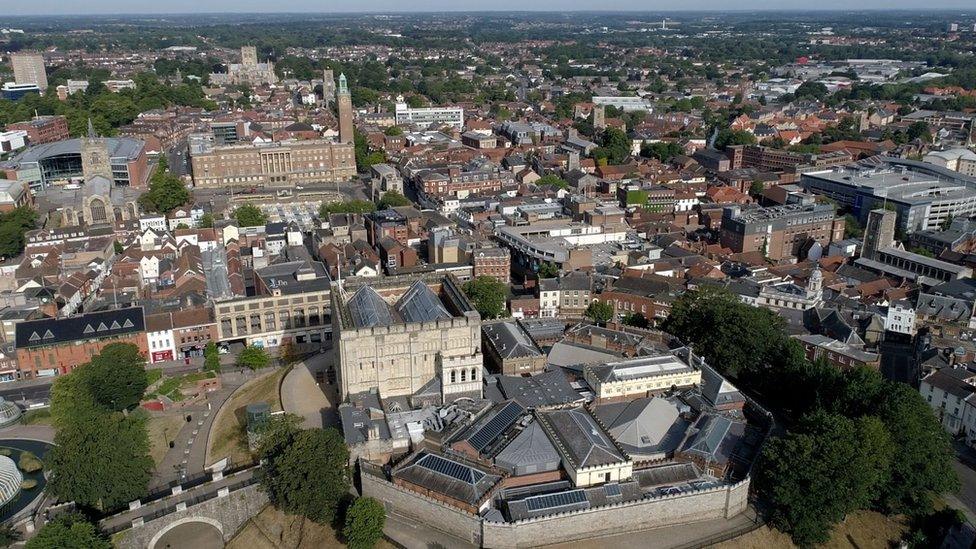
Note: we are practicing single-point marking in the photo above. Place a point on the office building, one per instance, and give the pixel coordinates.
(923, 195)
(957, 160)
(768, 159)
(428, 116)
(43, 129)
(14, 92)
(29, 69)
(344, 99)
(121, 160)
(278, 164)
(780, 232)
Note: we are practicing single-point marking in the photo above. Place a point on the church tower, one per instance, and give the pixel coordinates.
(95, 161)
(344, 100)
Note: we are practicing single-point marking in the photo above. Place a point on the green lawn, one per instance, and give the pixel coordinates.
(171, 386)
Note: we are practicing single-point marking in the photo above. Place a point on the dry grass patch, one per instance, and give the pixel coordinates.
(861, 530)
(272, 529)
(227, 436)
(163, 429)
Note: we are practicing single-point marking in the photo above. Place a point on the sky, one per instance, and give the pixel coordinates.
(62, 7)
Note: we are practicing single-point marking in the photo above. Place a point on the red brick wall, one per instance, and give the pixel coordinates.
(66, 357)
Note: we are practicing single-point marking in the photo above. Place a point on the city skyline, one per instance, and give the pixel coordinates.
(120, 7)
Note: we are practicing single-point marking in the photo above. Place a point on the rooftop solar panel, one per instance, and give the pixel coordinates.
(451, 469)
(495, 426)
(553, 501)
(612, 489)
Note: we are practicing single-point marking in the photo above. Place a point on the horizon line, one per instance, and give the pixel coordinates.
(490, 11)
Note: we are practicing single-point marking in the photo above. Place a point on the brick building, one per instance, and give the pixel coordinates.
(55, 346)
(43, 129)
(780, 232)
(493, 262)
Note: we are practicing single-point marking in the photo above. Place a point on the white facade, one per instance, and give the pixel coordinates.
(159, 343)
(900, 318)
(155, 222)
(12, 140)
(443, 116)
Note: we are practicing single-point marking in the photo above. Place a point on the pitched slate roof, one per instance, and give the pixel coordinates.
(579, 438)
(449, 477)
(54, 331)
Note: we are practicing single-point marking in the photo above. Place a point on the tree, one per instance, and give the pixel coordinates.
(548, 270)
(211, 357)
(253, 357)
(852, 227)
(813, 90)
(117, 247)
(249, 215)
(946, 223)
(756, 188)
(348, 206)
(728, 138)
(288, 354)
(13, 225)
(166, 192)
(393, 131)
(662, 150)
(551, 180)
(393, 199)
(364, 523)
(599, 311)
(636, 320)
(813, 477)
(732, 336)
(488, 294)
(100, 459)
(116, 377)
(8, 536)
(922, 461)
(306, 471)
(615, 147)
(206, 221)
(69, 531)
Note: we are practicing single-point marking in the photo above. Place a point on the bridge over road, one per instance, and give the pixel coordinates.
(204, 516)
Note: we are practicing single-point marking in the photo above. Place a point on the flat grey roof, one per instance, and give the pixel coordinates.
(118, 147)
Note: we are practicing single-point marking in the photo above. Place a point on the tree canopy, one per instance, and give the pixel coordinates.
(552, 180)
(851, 432)
(166, 191)
(364, 523)
(599, 311)
(249, 215)
(116, 377)
(347, 206)
(69, 531)
(488, 295)
(306, 471)
(101, 456)
(393, 199)
(13, 225)
(253, 357)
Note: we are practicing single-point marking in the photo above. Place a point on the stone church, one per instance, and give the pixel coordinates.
(99, 202)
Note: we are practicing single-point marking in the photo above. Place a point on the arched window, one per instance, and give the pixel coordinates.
(97, 208)
(453, 376)
(464, 374)
(474, 374)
